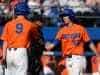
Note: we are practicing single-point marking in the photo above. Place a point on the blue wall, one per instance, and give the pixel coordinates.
(50, 32)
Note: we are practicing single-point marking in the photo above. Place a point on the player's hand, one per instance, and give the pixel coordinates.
(49, 46)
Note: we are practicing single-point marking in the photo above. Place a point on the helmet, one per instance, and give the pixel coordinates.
(69, 13)
(21, 9)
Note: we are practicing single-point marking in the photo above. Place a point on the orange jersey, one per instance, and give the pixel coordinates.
(72, 39)
(18, 33)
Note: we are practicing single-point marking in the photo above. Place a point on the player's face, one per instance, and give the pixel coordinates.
(66, 20)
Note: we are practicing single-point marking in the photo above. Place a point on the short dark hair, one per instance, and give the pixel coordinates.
(38, 18)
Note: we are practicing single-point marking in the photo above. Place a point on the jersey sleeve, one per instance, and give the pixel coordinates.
(4, 35)
(59, 34)
(85, 35)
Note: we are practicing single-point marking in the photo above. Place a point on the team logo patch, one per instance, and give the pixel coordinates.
(19, 28)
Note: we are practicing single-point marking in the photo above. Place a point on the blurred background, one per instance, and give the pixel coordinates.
(86, 11)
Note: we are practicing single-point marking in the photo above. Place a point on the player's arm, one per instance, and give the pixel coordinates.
(4, 37)
(92, 47)
(4, 49)
(87, 39)
(56, 41)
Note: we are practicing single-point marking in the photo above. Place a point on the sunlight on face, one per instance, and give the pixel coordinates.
(66, 20)
(39, 23)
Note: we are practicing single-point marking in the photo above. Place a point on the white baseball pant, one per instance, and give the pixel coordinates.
(17, 61)
(75, 65)
(96, 73)
(48, 71)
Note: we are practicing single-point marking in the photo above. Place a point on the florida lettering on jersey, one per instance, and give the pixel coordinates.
(73, 36)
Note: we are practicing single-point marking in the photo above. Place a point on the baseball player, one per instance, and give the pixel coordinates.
(37, 46)
(16, 35)
(72, 37)
(44, 67)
